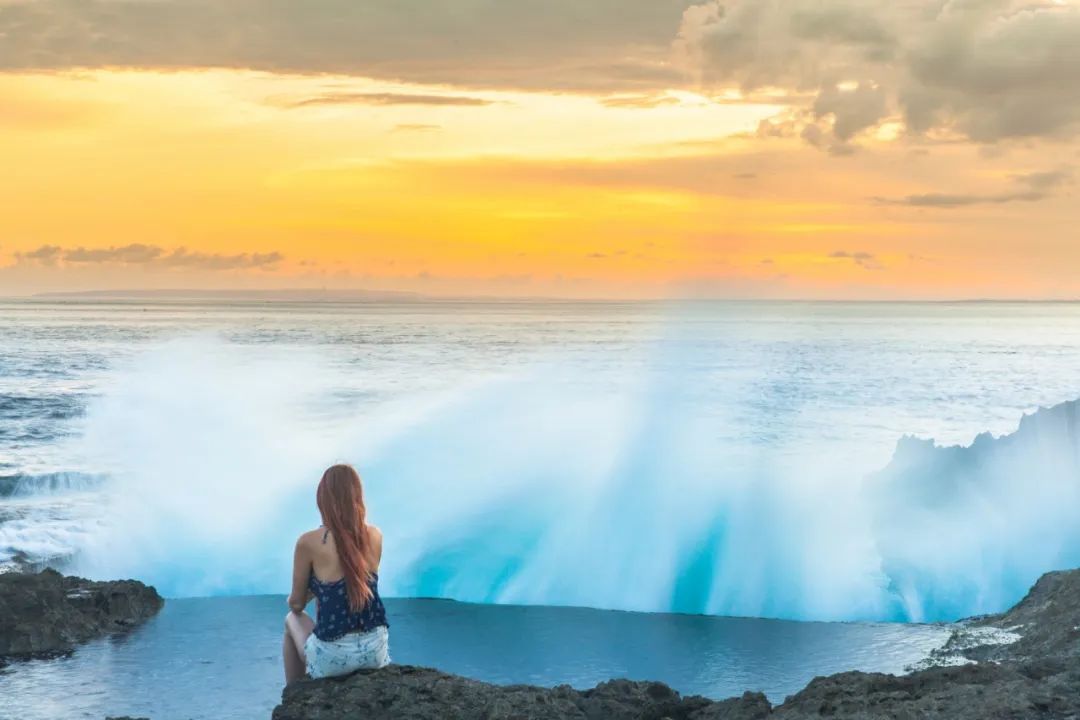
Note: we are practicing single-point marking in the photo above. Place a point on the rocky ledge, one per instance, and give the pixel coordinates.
(44, 614)
(1024, 663)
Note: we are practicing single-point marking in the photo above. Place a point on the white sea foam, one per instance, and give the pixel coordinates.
(540, 486)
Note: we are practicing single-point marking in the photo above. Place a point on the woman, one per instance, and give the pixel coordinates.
(338, 565)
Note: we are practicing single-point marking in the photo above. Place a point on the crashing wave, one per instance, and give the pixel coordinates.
(45, 518)
(539, 489)
(56, 483)
(964, 530)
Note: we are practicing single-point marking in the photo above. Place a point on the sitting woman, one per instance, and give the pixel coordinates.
(337, 565)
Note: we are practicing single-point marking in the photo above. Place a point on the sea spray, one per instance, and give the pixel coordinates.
(965, 530)
(539, 485)
(204, 446)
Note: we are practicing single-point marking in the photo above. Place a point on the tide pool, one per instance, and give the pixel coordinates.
(220, 657)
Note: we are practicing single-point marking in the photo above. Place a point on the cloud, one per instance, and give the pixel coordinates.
(134, 254)
(44, 255)
(995, 70)
(826, 139)
(853, 109)
(1033, 188)
(600, 45)
(147, 255)
(183, 258)
(945, 200)
(798, 44)
(639, 102)
(1045, 181)
(388, 99)
(984, 70)
(865, 260)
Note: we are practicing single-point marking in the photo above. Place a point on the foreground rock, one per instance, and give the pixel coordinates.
(43, 614)
(1022, 664)
(400, 691)
(971, 692)
(1045, 624)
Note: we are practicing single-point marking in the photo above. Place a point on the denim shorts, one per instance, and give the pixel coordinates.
(355, 651)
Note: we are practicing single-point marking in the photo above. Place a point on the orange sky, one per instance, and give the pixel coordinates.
(702, 180)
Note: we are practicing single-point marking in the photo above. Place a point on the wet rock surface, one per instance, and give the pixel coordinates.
(1024, 663)
(45, 614)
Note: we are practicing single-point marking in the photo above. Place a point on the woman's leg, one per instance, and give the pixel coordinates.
(298, 626)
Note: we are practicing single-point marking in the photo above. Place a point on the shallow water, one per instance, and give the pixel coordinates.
(219, 658)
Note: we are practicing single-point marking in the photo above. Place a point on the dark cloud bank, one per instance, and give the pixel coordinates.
(983, 70)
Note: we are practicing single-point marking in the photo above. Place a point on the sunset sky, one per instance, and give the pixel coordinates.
(873, 149)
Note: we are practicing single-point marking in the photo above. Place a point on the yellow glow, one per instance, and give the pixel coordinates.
(363, 183)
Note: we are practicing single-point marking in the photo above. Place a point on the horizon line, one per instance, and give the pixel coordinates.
(317, 295)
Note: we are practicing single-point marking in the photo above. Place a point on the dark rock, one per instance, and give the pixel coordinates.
(401, 691)
(1043, 626)
(953, 693)
(47, 614)
(1047, 620)
(1024, 663)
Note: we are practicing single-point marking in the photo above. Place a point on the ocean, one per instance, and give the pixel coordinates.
(703, 458)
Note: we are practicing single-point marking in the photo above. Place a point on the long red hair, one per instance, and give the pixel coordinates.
(340, 498)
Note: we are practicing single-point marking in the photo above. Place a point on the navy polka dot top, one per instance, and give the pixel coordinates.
(335, 618)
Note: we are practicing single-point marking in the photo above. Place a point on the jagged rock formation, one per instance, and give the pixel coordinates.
(45, 613)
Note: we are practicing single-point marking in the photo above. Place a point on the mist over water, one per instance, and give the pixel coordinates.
(549, 483)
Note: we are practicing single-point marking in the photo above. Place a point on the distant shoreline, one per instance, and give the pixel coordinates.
(299, 294)
(317, 296)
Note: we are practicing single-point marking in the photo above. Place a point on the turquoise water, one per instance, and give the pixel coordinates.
(220, 658)
(717, 457)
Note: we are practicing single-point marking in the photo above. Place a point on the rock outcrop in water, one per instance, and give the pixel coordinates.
(1022, 664)
(46, 613)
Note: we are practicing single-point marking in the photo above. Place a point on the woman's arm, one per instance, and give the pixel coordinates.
(375, 538)
(299, 596)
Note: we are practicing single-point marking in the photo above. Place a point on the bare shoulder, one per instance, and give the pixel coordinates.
(375, 534)
(309, 540)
